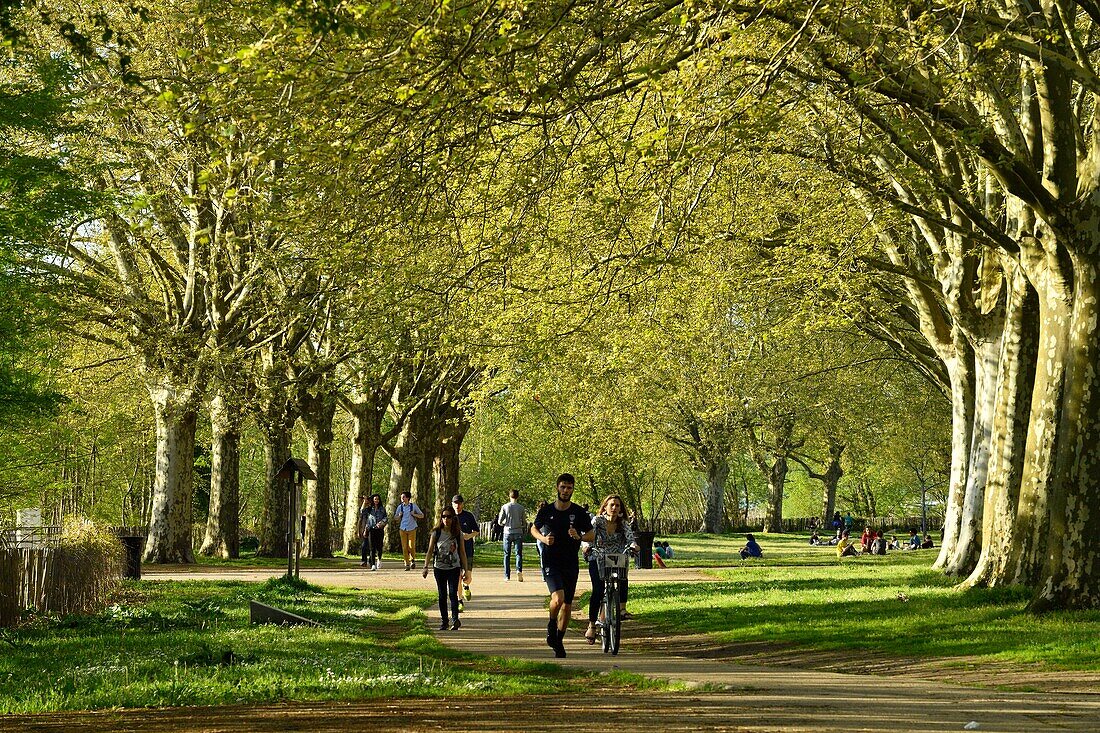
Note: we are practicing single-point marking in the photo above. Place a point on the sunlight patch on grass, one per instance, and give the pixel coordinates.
(894, 606)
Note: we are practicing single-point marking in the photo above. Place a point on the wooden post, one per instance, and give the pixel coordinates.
(9, 587)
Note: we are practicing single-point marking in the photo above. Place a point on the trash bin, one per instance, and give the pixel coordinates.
(644, 561)
(133, 547)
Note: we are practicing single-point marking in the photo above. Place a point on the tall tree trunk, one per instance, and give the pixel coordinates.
(1032, 529)
(273, 520)
(445, 464)
(364, 449)
(1070, 575)
(1019, 353)
(775, 472)
(317, 418)
(717, 472)
(961, 371)
(222, 537)
(777, 479)
(169, 538)
(830, 480)
(425, 494)
(401, 479)
(967, 547)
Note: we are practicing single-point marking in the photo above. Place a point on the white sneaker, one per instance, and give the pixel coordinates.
(519, 576)
(374, 567)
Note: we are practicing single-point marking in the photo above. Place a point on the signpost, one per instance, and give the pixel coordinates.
(294, 471)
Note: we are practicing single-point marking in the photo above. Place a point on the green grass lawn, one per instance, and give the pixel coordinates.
(249, 560)
(893, 605)
(170, 643)
(487, 555)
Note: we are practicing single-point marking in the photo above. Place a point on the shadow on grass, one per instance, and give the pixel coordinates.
(914, 614)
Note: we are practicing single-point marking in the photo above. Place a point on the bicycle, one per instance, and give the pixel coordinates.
(614, 568)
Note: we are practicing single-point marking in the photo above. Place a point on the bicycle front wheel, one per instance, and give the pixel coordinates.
(605, 634)
(614, 621)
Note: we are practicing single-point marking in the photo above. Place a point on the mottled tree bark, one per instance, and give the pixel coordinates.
(777, 479)
(1019, 351)
(426, 495)
(273, 520)
(775, 471)
(830, 480)
(961, 371)
(317, 417)
(1069, 577)
(169, 538)
(964, 553)
(445, 464)
(401, 480)
(716, 472)
(222, 538)
(364, 450)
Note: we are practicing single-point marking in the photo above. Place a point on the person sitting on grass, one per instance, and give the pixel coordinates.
(751, 548)
(893, 544)
(914, 540)
(834, 540)
(866, 539)
(814, 539)
(878, 546)
(846, 548)
(928, 544)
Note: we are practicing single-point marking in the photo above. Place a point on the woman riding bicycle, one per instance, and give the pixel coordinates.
(612, 534)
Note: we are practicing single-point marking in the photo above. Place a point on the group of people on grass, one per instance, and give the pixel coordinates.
(872, 542)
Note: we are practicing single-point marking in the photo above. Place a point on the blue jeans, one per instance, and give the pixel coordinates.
(513, 539)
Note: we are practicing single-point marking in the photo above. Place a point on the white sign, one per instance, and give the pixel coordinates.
(28, 532)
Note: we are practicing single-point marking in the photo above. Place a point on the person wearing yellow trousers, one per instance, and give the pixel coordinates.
(405, 515)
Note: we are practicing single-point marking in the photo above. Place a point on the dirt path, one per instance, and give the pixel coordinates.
(509, 620)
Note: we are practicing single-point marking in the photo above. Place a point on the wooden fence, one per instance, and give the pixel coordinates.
(685, 525)
(25, 578)
(55, 580)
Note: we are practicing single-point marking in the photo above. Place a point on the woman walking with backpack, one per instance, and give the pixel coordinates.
(447, 555)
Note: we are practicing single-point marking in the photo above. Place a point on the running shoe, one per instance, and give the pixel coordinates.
(466, 591)
(461, 606)
(456, 625)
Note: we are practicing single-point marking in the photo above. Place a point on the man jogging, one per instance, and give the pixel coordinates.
(467, 522)
(513, 518)
(561, 527)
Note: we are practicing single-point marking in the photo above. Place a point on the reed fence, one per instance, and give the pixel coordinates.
(63, 580)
